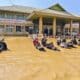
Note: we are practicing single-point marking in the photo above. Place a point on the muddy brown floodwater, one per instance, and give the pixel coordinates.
(24, 62)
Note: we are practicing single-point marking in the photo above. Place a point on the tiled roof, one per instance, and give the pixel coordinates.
(17, 8)
(48, 12)
(55, 12)
(25, 9)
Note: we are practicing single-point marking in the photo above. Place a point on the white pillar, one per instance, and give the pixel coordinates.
(71, 27)
(79, 27)
(54, 26)
(40, 24)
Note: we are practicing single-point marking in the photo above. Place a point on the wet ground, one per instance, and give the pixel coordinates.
(24, 62)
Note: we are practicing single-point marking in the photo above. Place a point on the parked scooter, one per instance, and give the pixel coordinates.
(3, 45)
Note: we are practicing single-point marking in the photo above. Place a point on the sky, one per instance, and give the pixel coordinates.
(72, 6)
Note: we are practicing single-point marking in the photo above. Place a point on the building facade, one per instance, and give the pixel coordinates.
(21, 20)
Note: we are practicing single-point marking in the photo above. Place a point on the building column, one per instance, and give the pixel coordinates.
(54, 26)
(15, 24)
(68, 30)
(23, 29)
(5, 25)
(79, 27)
(4, 33)
(71, 26)
(14, 29)
(40, 25)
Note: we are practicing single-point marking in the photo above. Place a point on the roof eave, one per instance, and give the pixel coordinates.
(14, 11)
(51, 15)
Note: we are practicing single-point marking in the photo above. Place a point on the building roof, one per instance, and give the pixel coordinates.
(57, 7)
(34, 11)
(48, 12)
(55, 10)
(18, 8)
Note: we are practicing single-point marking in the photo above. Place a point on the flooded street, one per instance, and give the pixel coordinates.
(24, 62)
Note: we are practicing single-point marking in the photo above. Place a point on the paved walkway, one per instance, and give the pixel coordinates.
(24, 62)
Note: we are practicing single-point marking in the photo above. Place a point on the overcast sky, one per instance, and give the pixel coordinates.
(72, 6)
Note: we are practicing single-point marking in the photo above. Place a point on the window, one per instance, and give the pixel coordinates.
(20, 17)
(27, 28)
(10, 16)
(9, 28)
(18, 28)
(75, 30)
(66, 29)
(1, 28)
(2, 15)
(30, 30)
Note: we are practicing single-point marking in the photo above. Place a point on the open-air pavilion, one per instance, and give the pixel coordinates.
(53, 20)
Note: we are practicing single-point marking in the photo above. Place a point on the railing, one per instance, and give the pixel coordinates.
(14, 21)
